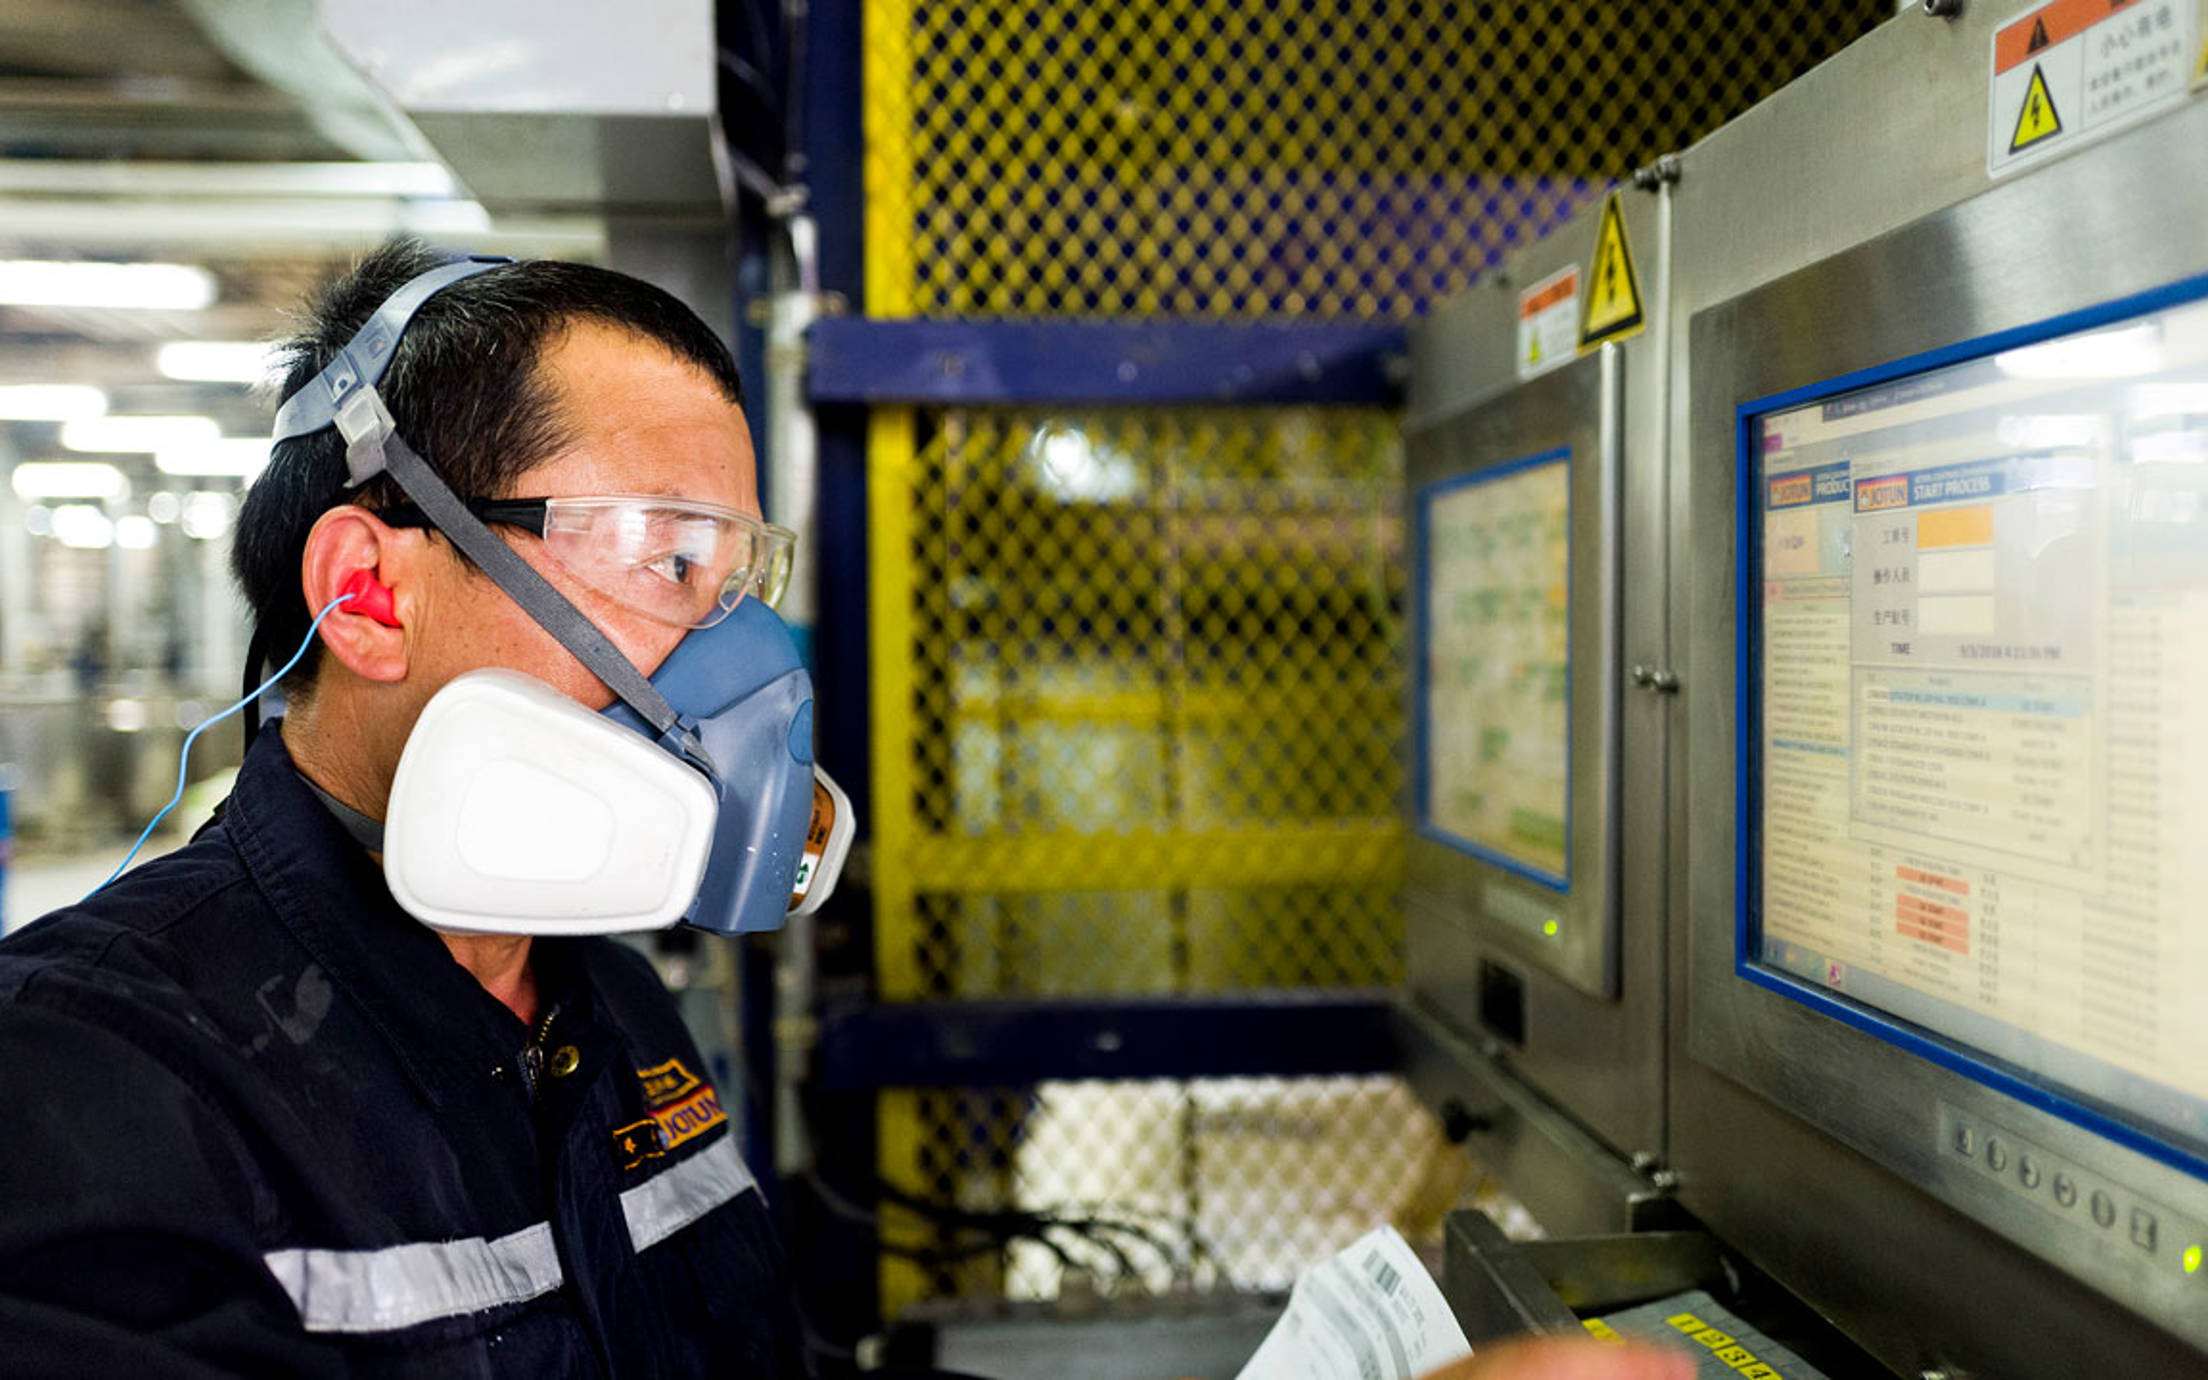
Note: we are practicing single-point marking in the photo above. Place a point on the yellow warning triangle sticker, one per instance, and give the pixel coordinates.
(1614, 292)
(2037, 120)
(1533, 348)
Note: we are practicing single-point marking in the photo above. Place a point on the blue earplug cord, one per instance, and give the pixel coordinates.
(184, 757)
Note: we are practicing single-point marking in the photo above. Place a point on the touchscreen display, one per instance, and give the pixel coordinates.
(1978, 682)
(1494, 673)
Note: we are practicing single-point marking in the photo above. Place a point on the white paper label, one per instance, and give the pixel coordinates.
(1369, 1313)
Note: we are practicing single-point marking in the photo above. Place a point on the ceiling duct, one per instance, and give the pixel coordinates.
(554, 106)
(279, 42)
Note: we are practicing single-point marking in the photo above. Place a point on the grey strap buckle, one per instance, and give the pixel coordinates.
(362, 362)
(366, 424)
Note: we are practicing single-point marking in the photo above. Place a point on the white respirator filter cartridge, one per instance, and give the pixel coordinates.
(827, 843)
(516, 810)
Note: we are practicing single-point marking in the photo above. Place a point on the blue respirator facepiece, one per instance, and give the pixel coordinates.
(741, 685)
(732, 703)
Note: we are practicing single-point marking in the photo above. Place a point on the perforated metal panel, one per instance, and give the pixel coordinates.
(1150, 683)
(1219, 158)
(1138, 737)
(1164, 1185)
(1138, 676)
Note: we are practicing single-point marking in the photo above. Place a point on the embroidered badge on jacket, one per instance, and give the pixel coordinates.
(683, 1107)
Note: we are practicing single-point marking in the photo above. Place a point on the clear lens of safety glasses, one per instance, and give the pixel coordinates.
(678, 561)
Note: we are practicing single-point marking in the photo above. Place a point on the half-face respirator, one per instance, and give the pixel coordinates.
(693, 799)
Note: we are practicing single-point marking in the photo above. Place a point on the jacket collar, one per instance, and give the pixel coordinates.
(445, 1029)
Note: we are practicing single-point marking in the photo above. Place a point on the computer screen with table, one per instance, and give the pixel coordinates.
(1974, 711)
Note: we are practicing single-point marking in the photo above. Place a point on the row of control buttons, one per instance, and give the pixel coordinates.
(2102, 1205)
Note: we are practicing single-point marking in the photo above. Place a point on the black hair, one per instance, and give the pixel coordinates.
(465, 390)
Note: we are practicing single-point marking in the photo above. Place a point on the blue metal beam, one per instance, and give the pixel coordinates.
(981, 363)
(1015, 1043)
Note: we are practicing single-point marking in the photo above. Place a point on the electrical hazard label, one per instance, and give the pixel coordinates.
(2038, 119)
(1613, 287)
(2070, 71)
(1548, 324)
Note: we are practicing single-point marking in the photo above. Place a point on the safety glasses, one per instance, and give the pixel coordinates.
(670, 559)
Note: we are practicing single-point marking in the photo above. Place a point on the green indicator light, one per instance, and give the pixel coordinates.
(1548, 928)
(2192, 1260)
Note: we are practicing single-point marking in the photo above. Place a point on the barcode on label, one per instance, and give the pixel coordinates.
(1383, 1274)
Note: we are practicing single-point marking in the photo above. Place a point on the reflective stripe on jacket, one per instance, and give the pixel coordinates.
(259, 1122)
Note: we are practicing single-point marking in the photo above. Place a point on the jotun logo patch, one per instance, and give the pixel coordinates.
(682, 1106)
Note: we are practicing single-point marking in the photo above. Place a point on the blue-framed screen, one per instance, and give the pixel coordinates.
(1974, 710)
(1491, 665)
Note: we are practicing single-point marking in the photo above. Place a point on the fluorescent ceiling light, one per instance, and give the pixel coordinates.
(164, 506)
(207, 516)
(151, 287)
(136, 532)
(2170, 448)
(148, 433)
(105, 178)
(240, 456)
(2050, 430)
(50, 402)
(126, 715)
(43, 479)
(2169, 399)
(2102, 355)
(83, 526)
(216, 361)
(1074, 469)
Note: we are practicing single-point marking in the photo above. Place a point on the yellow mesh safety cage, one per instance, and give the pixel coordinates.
(1138, 673)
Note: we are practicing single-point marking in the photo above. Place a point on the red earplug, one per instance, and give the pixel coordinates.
(371, 598)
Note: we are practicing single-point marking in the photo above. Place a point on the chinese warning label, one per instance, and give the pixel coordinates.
(1548, 324)
(2072, 70)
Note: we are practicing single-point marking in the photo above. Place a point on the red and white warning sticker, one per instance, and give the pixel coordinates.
(2067, 72)
(1548, 324)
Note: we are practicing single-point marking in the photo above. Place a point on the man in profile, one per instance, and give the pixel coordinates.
(268, 1123)
(265, 1122)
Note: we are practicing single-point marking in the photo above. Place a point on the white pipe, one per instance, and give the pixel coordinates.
(793, 470)
(793, 443)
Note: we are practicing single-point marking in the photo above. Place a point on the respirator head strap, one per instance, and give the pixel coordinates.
(361, 364)
(344, 395)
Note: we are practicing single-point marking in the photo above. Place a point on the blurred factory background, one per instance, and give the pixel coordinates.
(1107, 606)
(173, 179)
(1136, 669)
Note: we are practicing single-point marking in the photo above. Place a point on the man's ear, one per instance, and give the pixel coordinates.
(351, 550)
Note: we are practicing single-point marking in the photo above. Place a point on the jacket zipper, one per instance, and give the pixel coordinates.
(532, 1054)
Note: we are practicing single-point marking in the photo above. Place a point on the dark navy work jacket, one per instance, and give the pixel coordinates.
(255, 1120)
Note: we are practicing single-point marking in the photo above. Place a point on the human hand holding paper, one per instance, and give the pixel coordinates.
(1373, 1311)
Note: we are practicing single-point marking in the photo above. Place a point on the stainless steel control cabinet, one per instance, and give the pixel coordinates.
(1847, 223)
(1552, 980)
